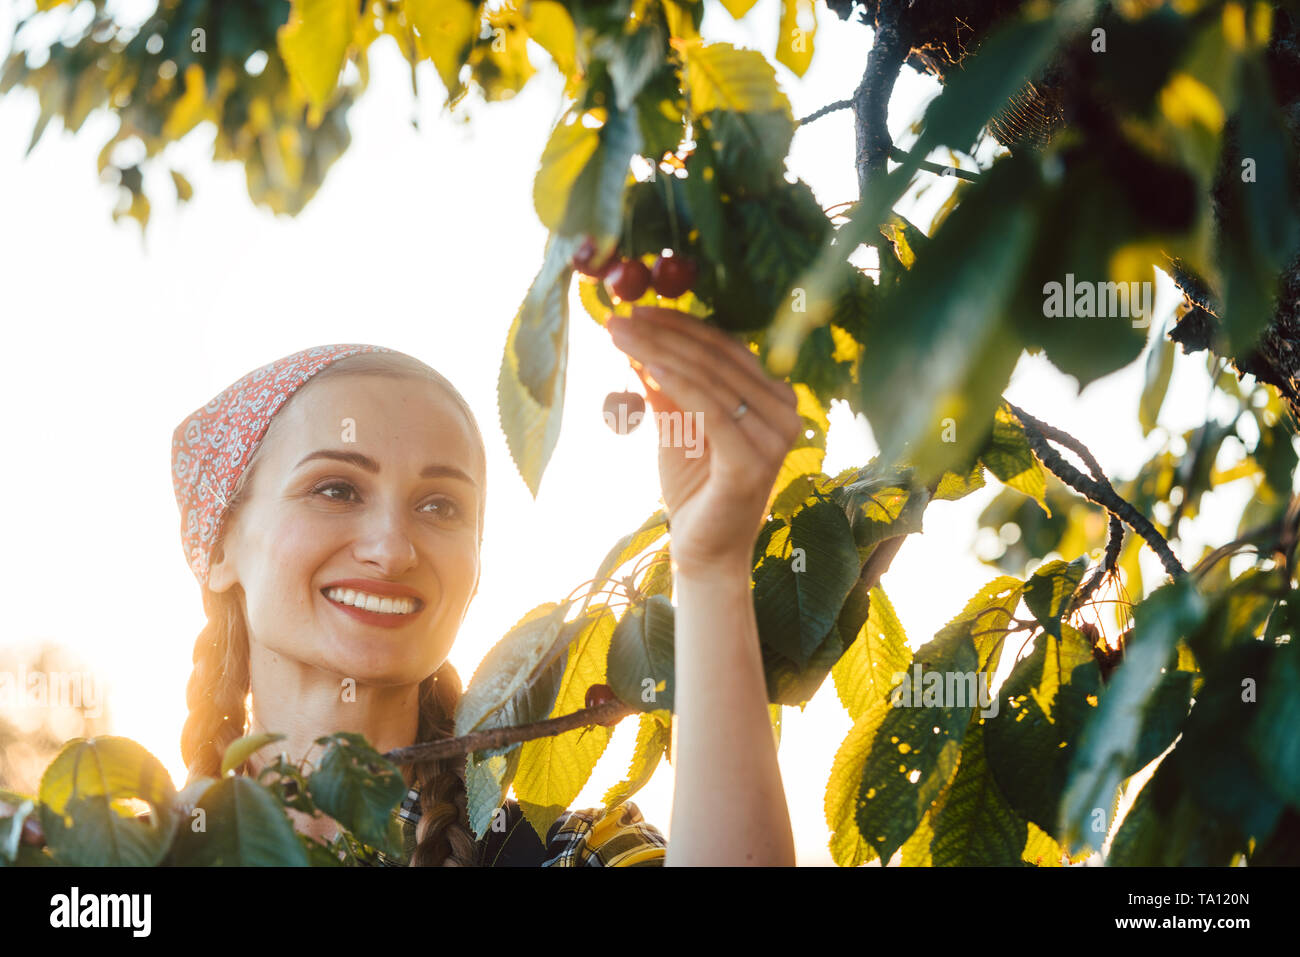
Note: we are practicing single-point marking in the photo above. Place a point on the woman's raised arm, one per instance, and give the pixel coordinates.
(725, 428)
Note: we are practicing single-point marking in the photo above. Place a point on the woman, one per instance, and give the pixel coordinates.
(332, 510)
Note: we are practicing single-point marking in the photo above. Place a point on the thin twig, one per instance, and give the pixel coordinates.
(608, 712)
(899, 155)
(828, 108)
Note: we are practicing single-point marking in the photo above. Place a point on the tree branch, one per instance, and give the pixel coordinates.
(871, 102)
(1096, 489)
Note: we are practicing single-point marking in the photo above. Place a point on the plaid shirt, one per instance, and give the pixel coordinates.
(590, 837)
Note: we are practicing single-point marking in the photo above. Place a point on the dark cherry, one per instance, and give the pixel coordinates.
(628, 280)
(598, 695)
(674, 275)
(584, 260)
(624, 411)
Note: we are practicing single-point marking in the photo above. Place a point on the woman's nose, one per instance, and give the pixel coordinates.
(385, 544)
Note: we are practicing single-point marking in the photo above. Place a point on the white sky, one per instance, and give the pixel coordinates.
(426, 242)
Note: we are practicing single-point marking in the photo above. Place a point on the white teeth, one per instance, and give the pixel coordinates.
(375, 603)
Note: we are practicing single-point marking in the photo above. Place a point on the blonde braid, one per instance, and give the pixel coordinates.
(443, 836)
(218, 686)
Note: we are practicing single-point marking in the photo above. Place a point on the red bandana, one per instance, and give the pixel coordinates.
(211, 448)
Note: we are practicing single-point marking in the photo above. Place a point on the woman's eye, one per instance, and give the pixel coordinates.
(337, 491)
(449, 507)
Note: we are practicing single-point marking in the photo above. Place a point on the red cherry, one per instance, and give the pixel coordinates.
(674, 275)
(598, 695)
(628, 280)
(624, 411)
(584, 260)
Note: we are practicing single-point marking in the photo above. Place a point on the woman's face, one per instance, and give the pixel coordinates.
(365, 494)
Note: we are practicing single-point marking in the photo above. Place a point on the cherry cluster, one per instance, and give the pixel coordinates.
(628, 278)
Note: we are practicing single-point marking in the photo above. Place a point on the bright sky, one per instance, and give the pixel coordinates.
(424, 241)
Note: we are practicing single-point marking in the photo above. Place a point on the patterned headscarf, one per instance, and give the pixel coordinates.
(213, 445)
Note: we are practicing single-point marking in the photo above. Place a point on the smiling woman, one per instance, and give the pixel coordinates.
(332, 510)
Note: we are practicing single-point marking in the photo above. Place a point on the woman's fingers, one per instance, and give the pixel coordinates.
(693, 385)
(726, 347)
(661, 339)
(771, 405)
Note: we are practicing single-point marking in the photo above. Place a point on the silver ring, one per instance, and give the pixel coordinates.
(740, 409)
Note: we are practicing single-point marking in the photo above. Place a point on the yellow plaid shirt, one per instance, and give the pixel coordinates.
(590, 837)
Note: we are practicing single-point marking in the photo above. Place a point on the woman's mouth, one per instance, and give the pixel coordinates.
(378, 604)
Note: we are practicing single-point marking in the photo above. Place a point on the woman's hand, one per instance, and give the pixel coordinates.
(717, 492)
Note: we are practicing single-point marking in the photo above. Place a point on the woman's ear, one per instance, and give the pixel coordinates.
(221, 569)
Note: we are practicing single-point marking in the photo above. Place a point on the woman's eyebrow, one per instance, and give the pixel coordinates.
(370, 465)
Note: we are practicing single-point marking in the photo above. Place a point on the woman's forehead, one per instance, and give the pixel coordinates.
(399, 418)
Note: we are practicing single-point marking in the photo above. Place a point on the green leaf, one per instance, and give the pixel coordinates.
(1011, 56)
(1274, 743)
(241, 825)
(802, 581)
(1260, 231)
(1050, 588)
(488, 776)
(514, 665)
(530, 386)
(1043, 707)
(633, 56)
(241, 749)
(975, 825)
(1159, 370)
(84, 810)
(1163, 717)
(1217, 764)
(914, 752)
(1110, 739)
(553, 769)
(865, 672)
(594, 206)
(652, 740)
(941, 347)
(1008, 456)
(11, 829)
(640, 664)
(356, 786)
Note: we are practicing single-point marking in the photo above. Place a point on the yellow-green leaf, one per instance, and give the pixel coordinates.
(794, 46)
(549, 24)
(552, 770)
(570, 148)
(721, 77)
(314, 44)
(847, 847)
(652, 739)
(241, 749)
(738, 8)
(1009, 457)
(444, 31)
